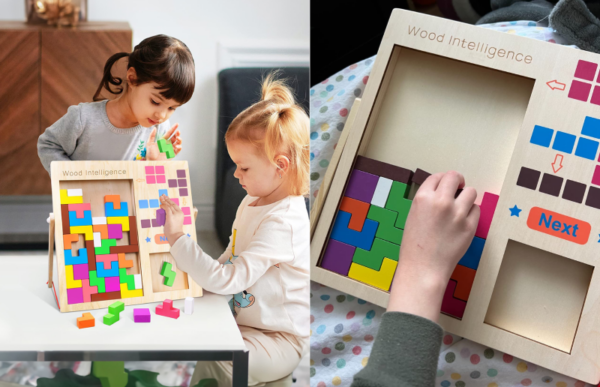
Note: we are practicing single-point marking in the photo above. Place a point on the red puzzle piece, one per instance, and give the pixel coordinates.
(358, 211)
(464, 277)
(450, 305)
(167, 310)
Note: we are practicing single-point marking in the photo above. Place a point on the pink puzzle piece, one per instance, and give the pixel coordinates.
(160, 179)
(107, 259)
(167, 310)
(187, 220)
(80, 272)
(150, 170)
(150, 179)
(450, 305)
(115, 231)
(175, 200)
(88, 290)
(488, 207)
(79, 208)
(112, 284)
(186, 210)
(160, 170)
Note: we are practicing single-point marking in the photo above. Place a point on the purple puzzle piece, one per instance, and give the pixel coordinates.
(161, 217)
(181, 173)
(361, 186)
(183, 192)
(172, 183)
(112, 284)
(115, 231)
(75, 296)
(141, 315)
(81, 271)
(182, 183)
(338, 257)
(146, 223)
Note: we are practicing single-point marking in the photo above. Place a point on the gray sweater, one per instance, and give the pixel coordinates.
(85, 133)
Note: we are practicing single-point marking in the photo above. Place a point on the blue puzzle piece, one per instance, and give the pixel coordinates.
(154, 203)
(586, 148)
(162, 192)
(112, 272)
(564, 142)
(110, 211)
(77, 260)
(473, 254)
(591, 127)
(85, 221)
(143, 204)
(541, 136)
(363, 239)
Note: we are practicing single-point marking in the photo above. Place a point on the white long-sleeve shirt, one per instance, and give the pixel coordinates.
(265, 265)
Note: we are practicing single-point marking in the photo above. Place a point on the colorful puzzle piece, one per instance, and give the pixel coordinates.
(450, 305)
(88, 290)
(122, 220)
(473, 254)
(168, 273)
(105, 248)
(79, 259)
(342, 233)
(80, 209)
(358, 212)
(115, 231)
(141, 315)
(114, 199)
(112, 284)
(110, 211)
(106, 259)
(102, 229)
(127, 279)
(126, 293)
(188, 307)
(381, 279)
(74, 296)
(68, 239)
(80, 272)
(86, 321)
(167, 310)
(98, 220)
(114, 311)
(123, 262)
(488, 207)
(138, 281)
(386, 229)
(361, 186)
(97, 240)
(86, 220)
(66, 199)
(97, 282)
(398, 202)
(71, 282)
(382, 191)
(112, 272)
(374, 258)
(166, 147)
(86, 230)
(464, 278)
(110, 373)
(75, 192)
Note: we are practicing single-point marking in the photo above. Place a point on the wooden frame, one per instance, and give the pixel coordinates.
(134, 183)
(446, 95)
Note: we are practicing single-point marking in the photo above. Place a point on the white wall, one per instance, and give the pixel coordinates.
(201, 25)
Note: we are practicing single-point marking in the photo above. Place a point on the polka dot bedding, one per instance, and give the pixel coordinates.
(343, 327)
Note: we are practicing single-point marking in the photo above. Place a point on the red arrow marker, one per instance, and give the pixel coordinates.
(557, 160)
(556, 85)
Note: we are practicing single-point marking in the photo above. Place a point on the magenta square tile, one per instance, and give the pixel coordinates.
(112, 284)
(186, 211)
(141, 315)
(160, 169)
(146, 223)
(155, 223)
(586, 70)
(75, 296)
(187, 220)
(596, 96)
(175, 200)
(115, 231)
(183, 192)
(181, 173)
(580, 91)
(150, 179)
(160, 179)
(172, 183)
(80, 272)
(182, 183)
(596, 177)
(149, 170)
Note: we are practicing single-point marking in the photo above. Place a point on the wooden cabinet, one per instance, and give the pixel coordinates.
(43, 71)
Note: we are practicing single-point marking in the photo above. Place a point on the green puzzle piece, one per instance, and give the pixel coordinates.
(168, 273)
(110, 319)
(373, 258)
(386, 229)
(106, 244)
(165, 146)
(125, 278)
(110, 373)
(114, 311)
(398, 202)
(95, 281)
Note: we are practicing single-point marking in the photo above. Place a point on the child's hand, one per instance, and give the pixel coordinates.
(438, 232)
(152, 151)
(174, 220)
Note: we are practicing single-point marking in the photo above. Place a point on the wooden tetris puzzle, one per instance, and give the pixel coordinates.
(110, 240)
(520, 119)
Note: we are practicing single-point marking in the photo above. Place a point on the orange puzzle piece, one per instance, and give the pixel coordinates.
(123, 263)
(114, 199)
(358, 211)
(464, 277)
(68, 239)
(86, 321)
(102, 229)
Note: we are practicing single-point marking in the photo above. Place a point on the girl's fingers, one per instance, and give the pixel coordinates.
(175, 137)
(450, 183)
(177, 149)
(170, 131)
(431, 183)
(152, 137)
(466, 199)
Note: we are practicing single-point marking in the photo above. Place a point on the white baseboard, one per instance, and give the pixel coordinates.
(262, 53)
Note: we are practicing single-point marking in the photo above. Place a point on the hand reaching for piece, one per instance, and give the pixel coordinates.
(152, 151)
(174, 220)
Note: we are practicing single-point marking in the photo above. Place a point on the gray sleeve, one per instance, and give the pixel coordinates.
(405, 353)
(58, 142)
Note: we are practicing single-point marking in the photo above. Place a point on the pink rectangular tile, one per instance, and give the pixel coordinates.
(149, 170)
(596, 177)
(150, 179)
(187, 220)
(175, 200)
(160, 179)
(186, 210)
(160, 170)
(488, 206)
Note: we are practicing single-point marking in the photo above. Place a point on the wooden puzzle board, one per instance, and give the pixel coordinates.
(506, 122)
(129, 267)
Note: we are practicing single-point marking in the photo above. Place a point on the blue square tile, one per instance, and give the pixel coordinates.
(154, 203)
(586, 148)
(591, 127)
(541, 136)
(564, 142)
(162, 192)
(143, 204)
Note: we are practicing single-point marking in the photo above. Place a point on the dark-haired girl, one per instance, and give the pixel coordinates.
(160, 78)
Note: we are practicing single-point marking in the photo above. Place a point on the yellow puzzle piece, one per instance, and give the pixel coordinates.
(71, 283)
(87, 230)
(66, 199)
(126, 293)
(381, 279)
(122, 220)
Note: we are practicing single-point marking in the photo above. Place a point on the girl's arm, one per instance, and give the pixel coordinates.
(438, 232)
(59, 141)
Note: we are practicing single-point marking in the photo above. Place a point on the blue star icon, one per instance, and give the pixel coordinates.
(148, 239)
(515, 211)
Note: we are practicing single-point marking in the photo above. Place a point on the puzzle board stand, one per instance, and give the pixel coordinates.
(109, 232)
(520, 119)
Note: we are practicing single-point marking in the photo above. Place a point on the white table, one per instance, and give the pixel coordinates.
(33, 329)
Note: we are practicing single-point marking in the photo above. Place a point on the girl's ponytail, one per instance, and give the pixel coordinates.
(276, 91)
(108, 79)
